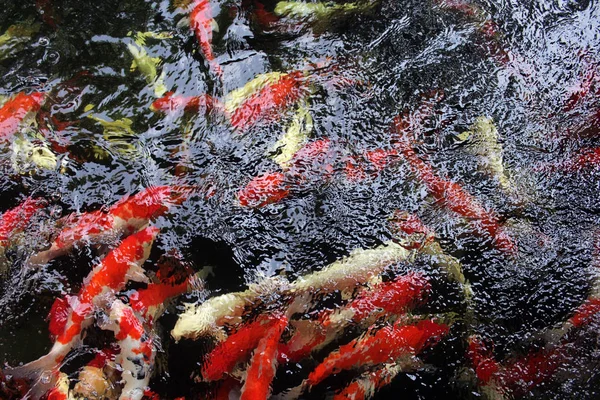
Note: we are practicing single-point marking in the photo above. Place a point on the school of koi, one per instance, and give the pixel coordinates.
(363, 318)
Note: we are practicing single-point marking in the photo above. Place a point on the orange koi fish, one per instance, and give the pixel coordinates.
(15, 110)
(110, 276)
(171, 102)
(126, 216)
(16, 219)
(368, 383)
(236, 348)
(201, 22)
(263, 364)
(377, 347)
(268, 103)
(454, 197)
(270, 187)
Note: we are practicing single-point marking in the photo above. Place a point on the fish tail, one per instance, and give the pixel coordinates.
(43, 372)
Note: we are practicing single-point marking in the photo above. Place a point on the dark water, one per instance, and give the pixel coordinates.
(523, 76)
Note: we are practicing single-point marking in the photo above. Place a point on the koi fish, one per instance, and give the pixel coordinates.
(263, 364)
(304, 10)
(313, 161)
(344, 275)
(16, 219)
(236, 348)
(371, 163)
(586, 159)
(203, 24)
(517, 376)
(171, 102)
(15, 110)
(147, 65)
(383, 300)
(380, 346)
(268, 188)
(365, 386)
(295, 136)
(137, 350)
(454, 197)
(422, 238)
(124, 217)
(15, 37)
(96, 379)
(271, 94)
(482, 142)
(109, 277)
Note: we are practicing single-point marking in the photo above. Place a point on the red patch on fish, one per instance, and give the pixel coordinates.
(171, 102)
(383, 346)
(15, 110)
(58, 316)
(269, 102)
(261, 371)
(264, 189)
(17, 218)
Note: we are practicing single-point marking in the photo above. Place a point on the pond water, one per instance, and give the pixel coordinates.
(439, 160)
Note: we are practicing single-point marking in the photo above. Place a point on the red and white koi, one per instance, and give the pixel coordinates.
(586, 159)
(123, 218)
(137, 349)
(16, 219)
(203, 24)
(109, 277)
(14, 111)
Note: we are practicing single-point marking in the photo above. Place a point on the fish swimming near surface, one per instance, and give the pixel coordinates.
(14, 111)
(203, 25)
(106, 279)
(124, 217)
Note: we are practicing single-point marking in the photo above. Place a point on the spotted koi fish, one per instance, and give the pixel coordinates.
(125, 217)
(203, 24)
(15, 110)
(137, 349)
(109, 277)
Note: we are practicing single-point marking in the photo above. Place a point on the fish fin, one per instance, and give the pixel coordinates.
(133, 66)
(43, 372)
(183, 22)
(136, 274)
(214, 25)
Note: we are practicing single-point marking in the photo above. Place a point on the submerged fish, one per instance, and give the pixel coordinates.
(147, 65)
(15, 37)
(203, 25)
(106, 279)
(453, 196)
(264, 98)
(379, 346)
(296, 135)
(15, 110)
(482, 141)
(123, 218)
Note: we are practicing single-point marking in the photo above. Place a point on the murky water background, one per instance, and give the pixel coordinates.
(394, 56)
